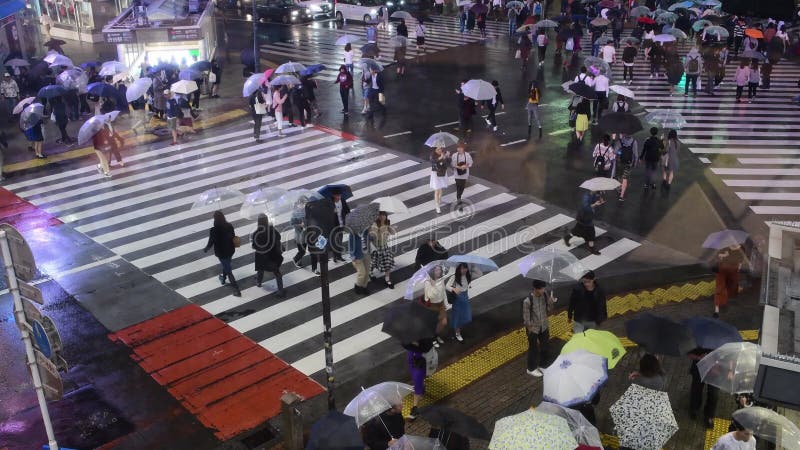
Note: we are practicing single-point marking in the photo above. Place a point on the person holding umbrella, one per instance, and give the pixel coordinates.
(382, 257)
(535, 309)
(223, 239)
(60, 114)
(383, 431)
(696, 391)
(258, 106)
(266, 242)
(650, 373)
(36, 137)
(524, 49)
(279, 97)
(417, 366)
(434, 299)
(341, 210)
(428, 252)
(440, 164)
(729, 262)
(458, 297)
(740, 438)
(492, 105)
(584, 113)
(584, 226)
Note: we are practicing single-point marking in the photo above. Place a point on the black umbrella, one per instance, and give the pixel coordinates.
(454, 421)
(370, 50)
(410, 322)
(712, 333)
(101, 89)
(583, 90)
(39, 69)
(335, 431)
(479, 8)
(660, 335)
(201, 66)
(620, 122)
(54, 43)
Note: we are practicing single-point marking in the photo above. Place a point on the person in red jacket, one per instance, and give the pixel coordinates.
(345, 82)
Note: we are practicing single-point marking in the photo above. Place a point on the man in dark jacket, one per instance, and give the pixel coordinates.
(587, 304)
(651, 154)
(428, 252)
(492, 104)
(341, 209)
(375, 94)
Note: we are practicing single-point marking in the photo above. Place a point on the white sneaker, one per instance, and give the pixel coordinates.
(459, 338)
(536, 373)
(438, 210)
(100, 169)
(439, 340)
(435, 344)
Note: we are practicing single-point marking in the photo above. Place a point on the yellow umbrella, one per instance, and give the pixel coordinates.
(603, 343)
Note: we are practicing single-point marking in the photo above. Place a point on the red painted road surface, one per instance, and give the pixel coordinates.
(227, 381)
(23, 215)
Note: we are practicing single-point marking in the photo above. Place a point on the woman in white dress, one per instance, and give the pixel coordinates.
(440, 163)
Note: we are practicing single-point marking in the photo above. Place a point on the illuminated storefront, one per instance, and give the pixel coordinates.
(20, 34)
(170, 31)
(78, 19)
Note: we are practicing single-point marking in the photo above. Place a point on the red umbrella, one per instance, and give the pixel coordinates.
(529, 21)
(754, 33)
(606, 4)
(647, 20)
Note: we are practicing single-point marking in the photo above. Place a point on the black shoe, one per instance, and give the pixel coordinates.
(413, 414)
(566, 240)
(529, 131)
(646, 186)
(709, 423)
(388, 283)
(693, 415)
(540, 132)
(715, 315)
(221, 279)
(593, 251)
(357, 289)
(653, 186)
(237, 293)
(281, 293)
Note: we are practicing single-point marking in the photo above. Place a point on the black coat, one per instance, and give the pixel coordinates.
(427, 254)
(221, 238)
(268, 249)
(374, 432)
(587, 307)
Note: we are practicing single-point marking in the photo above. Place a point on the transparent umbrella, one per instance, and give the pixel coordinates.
(30, 115)
(261, 201)
(347, 39)
(584, 432)
(411, 442)
(419, 277)
(112, 68)
(252, 84)
(372, 401)
(290, 67)
(284, 80)
(74, 78)
(441, 139)
(294, 202)
(60, 60)
(478, 90)
(215, 197)
(732, 367)
(725, 238)
(551, 265)
(138, 88)
(768, 424)
(667, 118)
(678, 33)
(23, 104)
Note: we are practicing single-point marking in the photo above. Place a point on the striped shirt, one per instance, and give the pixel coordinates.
(738, 30)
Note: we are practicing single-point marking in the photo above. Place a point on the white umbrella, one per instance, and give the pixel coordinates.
(769, 425)
(551, 265)
(93, 126)
(184, 87)
(51, 56)
(478, 90)
(600, 184)
(261, 201)
(214, 197)
(73, 78)
(138, 88)
(120, 77)
(574, 378)
(664, 38)
(643, 418)
(284, 80)
(732, 367)
(391, 205)
(621, 90)
(290, 67)
(112, 68)
(402, 15)
(441, 139)
(252, 84)
(347, 39)
(60, 60)
(16, 62)
(584, 432)
(22, 104)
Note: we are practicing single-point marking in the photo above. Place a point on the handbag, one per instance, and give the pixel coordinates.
(451, 296)
(260, 108)
(381, 98)
(431, 362)
(237, 242)
(185, 121)
(573, 118)
(460, 171)
(518, 54)
(441, 168)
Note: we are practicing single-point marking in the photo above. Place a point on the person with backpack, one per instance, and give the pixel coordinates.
(512, 20)
(535, 309)
(266, 242)
(583, 113)
(569, 48)
(603, 156)
(601, 87)
(532, 106)
(652, 149)
(628, 158)
(693, 67)
(628, 58)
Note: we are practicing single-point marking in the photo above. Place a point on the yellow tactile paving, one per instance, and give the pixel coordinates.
(460, 374)
(720, 428)
(127, 134)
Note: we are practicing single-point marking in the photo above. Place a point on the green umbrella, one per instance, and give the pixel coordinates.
(603, 343)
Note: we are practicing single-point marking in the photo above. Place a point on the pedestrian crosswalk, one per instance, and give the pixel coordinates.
(317, 45)
(143, 213)
(750, 145)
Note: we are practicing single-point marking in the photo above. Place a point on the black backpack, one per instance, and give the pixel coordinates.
(693, 66)
(626, 153)
(600, 161)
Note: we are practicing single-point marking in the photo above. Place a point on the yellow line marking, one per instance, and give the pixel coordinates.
(482, 361)
(720, 428)
(130, 140)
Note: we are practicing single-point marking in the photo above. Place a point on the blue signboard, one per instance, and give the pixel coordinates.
(40, 339)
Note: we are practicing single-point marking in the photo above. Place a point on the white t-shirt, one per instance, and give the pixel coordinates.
(601, 83)
(608, 52)
(727, 442)
(648, 35)
(541, 40)
(348, 57)
(337, 206)
(586, 79)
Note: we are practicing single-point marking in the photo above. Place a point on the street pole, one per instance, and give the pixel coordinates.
(22, 324)
(256, 56)
(326, 334)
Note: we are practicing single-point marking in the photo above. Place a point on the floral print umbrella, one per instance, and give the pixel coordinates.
(532, 430)
(643, 418)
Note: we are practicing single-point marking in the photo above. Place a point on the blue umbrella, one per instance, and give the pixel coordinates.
(474, 262)
(725, 238)
(101, 89)
(311, 70)
(201, 66)
(88, 64)
(712, 333)
(328, 190)
(189, 75)
(51, 91)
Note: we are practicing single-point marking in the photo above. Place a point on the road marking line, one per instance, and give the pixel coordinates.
(561, 131)
(704, 160)
(513, 142)
(396, 134)
(64, 273)
(445, 124)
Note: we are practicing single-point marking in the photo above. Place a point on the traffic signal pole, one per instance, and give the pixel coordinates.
(23, 326)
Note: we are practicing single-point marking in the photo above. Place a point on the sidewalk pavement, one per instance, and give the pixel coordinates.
(490, 382)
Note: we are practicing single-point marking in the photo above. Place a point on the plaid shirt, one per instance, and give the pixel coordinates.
(534, 313)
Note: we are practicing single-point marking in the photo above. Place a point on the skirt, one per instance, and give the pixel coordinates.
(461, 313)
(382, 259)
(438, 182)
(34, 134)
(420, 40)
(582, 122)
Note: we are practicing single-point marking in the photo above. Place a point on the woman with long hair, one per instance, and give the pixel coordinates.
(440, 163)
(266, 242)
(434, 299)
(670, 160)
(382, 257)
(345, 81)
(461, 312)
(222, 237)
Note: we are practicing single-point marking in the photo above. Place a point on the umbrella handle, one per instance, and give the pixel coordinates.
(385, 427)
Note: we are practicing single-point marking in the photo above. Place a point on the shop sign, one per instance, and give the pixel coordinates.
(119, 37)
(183, 34)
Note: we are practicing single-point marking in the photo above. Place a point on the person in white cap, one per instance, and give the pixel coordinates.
(10, 91)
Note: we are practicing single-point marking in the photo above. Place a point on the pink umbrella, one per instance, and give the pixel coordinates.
(267, 74)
